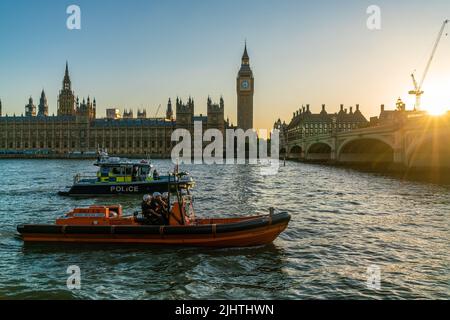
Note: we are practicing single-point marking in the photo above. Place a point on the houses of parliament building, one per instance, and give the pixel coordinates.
(76, 128)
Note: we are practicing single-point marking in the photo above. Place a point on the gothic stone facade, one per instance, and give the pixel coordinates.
(75, 128)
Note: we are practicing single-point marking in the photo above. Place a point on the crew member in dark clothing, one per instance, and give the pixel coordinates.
(148, 211)
(160, 207)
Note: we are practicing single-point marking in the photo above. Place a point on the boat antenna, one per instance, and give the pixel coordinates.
(168, 192)
(179, 198)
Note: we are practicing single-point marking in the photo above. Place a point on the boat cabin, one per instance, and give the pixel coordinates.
(124, 170)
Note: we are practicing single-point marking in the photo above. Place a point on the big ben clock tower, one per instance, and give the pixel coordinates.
(245, 91)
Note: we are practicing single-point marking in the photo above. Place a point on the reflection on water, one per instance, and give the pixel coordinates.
(342, 221)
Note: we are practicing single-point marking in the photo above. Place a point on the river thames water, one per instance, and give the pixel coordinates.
(343, 221)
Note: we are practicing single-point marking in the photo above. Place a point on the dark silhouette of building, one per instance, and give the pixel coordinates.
(142, 114)
(30, 108)
(185, 114)
(169, 111)
(43, 105)
(86, 108)
(127, 114)
(66, 99)
(216, 115)
(305, 124)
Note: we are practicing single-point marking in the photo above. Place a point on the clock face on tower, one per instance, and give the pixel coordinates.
(245, 85)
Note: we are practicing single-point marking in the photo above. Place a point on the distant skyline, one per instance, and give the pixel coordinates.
(137, 54)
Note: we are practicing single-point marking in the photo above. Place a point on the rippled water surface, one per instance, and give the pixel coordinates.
(342, 222)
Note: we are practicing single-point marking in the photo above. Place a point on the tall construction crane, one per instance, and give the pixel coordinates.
(157, 111)
(418, 92)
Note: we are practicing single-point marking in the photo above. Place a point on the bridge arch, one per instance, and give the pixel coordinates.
(366, 150)
(295, 152)
(318, 151)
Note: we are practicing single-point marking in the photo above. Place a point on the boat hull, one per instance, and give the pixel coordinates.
(122, 188)
(250, 232)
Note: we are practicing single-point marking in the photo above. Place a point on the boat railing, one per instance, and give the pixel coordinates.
(78, 177)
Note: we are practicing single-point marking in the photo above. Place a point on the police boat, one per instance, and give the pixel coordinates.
(124, 176)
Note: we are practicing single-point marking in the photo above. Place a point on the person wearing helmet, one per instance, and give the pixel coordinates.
(155, 175)
(150, 215)
(155, 200)
(165, 201)
(160, 206)
(146, 205)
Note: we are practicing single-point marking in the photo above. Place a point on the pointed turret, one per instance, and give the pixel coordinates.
(43, 105)
(245, 57)
(67, 84)
(66, 99)
(169, 111)
(30, 108)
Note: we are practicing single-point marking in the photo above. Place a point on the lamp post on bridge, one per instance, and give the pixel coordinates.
(334, 136)
(285, 138)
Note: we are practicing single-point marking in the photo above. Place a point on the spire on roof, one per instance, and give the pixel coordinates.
(245, 56)
(66, 82)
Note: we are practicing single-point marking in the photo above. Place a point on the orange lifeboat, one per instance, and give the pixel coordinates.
(106, 224)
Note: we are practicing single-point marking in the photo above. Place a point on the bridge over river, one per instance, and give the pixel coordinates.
(406, 142)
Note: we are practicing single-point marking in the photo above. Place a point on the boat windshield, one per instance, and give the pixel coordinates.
(128, 172)
(145, 170)
(117, 171)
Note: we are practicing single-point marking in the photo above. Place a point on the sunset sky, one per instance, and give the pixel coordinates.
(137, 54)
